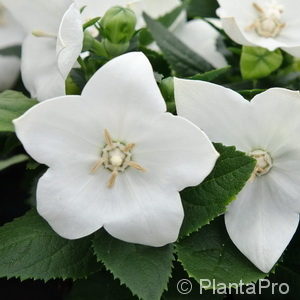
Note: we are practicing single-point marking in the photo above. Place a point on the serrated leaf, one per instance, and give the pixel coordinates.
(29, 248)
(12, 161)
(258, 62)
(100, 286)
(182, 59)
(12, 105)
(211, 75)
(144, 270)
(210, 254)
(208, 200)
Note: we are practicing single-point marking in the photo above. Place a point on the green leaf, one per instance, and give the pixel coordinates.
(202, 8)
(100, 286)
(29, 248)
(258, 62)
(12, 161)
(208, 200)
(182, 59)
(12, 105)
(211, 75)
(210, 254)
(144, 270)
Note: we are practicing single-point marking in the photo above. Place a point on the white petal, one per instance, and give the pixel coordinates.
(202, 38)
(175, 152)
(125, 87)
(260, 224)
(276, 113)
(294, 51)
(43, 79)
(38, 15)
(69, 40)
(234, 32)
(11, 33)
(218, 111)
(60, 132)
(9, 71)
(72, 200)
(145, 213)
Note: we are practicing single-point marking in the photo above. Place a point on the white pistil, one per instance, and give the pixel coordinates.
(115, 157)
(264, 163)
(268, 24)
(38, 33)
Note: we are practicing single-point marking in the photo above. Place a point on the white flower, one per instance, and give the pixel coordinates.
(11, 34)
(265, 215)
(270, 24)
(52, 46)
(116, 158)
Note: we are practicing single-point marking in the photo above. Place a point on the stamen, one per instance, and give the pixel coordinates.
(258, 8)
(112, 179)
(136, 166)
(128, 147)
(97, 166)
(108, 138)
(38, 33)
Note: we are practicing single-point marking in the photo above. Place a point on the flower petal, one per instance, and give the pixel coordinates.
(125, 87)
(43, 80)
(294, 51)
(38, 15)
(146, 213)
(202, 38)
(69, 40)
(11, 32)
(73, 201)
(218, 111)
(175, 152)
(60, 132)
(260, 224)
(9, 71)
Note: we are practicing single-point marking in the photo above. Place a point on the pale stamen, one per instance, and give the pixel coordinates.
(269, 23)
(116, 157)
(38, 33)
(264, 163)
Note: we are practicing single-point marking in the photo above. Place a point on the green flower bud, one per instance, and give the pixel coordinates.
(167, 89)
(118, 25)
(114, 50)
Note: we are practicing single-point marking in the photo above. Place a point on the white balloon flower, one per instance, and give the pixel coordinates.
(264, 217)
(116, 158)
(11, 34)
(270, 24)
(52, 46)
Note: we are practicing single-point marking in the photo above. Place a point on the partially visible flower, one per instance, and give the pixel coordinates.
(53, 43)
(202, 38)
(116, 158)
(264, 217)
(270, 24)
(11, 34)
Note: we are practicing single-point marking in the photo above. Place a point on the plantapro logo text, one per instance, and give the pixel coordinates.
(244, 289)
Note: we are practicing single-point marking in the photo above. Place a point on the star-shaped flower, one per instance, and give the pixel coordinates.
(11, 34)
(52, 46)
(270, 24)
(116, 158)
(265, 215)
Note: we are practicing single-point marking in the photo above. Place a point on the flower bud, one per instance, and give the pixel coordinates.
(118, 25)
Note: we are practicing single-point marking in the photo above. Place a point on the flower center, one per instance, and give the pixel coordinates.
(268, 23)
(263, 162)
(115, 157)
